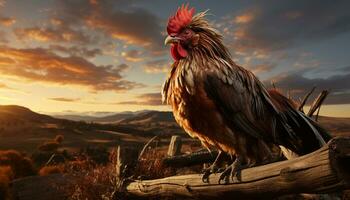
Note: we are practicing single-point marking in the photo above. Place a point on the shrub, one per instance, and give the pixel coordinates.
(21, 165)
(6, 175)
(49, 146)
(54, 169)
(59, 139)
(98, 154)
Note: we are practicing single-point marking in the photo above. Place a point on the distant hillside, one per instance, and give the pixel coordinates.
(76, 117)
(113, 118)
(21, 128)
(337, 126)
(155, 122)
(9, 113)
(150, 117)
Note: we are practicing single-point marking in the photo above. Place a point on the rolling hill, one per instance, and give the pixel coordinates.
(11, 113)
(150, 117)
(23, 129)
(111, 118)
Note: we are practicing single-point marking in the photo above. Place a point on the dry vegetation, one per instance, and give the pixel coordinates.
(90, 180)
(13, 165)
(82, 151)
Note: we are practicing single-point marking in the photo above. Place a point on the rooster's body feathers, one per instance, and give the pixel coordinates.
(226, 106)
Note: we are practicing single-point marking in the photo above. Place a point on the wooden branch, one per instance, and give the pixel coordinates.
(323, 171)
(317, 102)
(146, 146)
(302, 104)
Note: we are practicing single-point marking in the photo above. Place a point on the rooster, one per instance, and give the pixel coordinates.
(226, 106)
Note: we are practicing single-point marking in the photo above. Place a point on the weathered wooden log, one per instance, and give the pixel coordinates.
(323, 171)
(175, 146)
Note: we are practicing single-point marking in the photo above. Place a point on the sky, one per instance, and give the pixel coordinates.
(86, 56)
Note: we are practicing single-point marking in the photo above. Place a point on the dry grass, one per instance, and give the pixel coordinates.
(150, 165)
(91, 181)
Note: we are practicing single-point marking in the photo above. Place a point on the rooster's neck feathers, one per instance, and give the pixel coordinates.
(210, 43)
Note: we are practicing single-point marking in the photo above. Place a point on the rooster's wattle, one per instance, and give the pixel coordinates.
(225, 105)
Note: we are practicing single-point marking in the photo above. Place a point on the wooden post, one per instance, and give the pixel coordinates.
(175, 146)
(323, 171)
(195, 158)
(306, 97)
(317, 102)
(126, 160)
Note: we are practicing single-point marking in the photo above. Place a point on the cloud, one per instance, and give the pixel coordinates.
(244, 18)
(3, 38)
(157, 66)
(7, 21)
(261, 68)
(118, 19)
(49, 34)
(133, 55)
(44, 66)
(299, 85)
(275, 25)
(152, 99)
(4, 86)
(63, 99)
(76, 51)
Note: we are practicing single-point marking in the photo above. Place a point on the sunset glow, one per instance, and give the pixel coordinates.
(81, 56)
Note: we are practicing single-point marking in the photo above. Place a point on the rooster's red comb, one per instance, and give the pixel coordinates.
(181, 19)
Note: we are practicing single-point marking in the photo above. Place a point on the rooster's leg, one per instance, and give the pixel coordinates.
(212, 169)
(232, 171)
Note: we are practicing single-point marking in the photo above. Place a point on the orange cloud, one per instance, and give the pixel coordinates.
(61, 34)
(157, 66)
(3, 38)
(7, 21)
(261, 68)
(4, 86)
(63, 99)
(44, 66)
(244, 18)
(152, 99)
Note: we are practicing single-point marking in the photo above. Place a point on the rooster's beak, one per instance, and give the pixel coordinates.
(171, 39)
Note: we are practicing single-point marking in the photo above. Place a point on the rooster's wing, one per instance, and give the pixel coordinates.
(244, 102)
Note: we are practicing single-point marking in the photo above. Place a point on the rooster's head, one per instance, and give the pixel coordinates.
(188, 33)
(180, 35)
